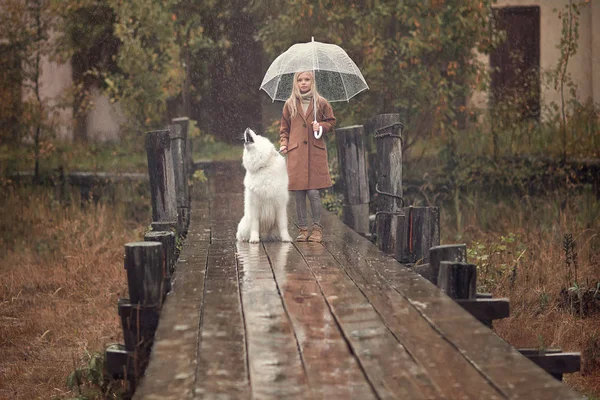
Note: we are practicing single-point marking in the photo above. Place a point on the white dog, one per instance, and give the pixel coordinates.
(265, 192)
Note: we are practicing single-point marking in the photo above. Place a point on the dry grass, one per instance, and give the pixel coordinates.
(518, 247)
(62, 273)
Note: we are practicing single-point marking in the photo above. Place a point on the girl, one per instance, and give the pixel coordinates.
(307, 166)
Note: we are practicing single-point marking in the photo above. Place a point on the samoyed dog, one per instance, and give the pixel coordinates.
(265, 192)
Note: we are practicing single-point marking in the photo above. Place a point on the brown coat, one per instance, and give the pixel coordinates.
(307, 164)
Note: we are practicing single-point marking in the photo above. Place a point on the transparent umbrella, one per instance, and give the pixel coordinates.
(337, 77)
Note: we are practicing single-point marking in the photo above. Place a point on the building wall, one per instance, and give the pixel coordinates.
(595, 50)
(584, 67)
(104, 119)
(55, 80)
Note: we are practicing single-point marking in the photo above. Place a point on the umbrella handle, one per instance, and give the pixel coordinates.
(318, 133)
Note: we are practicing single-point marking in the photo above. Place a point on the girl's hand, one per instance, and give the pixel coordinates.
(283, 149)
(315, 126)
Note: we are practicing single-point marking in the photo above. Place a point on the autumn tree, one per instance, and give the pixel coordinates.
(418, 57)
(148, 61)
(85, 37)
(25, 28)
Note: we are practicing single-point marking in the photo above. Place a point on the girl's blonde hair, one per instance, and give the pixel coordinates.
(291, 101)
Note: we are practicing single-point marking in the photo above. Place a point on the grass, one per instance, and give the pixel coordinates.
(126, 156)
(517, 244)
(62, 273)
(207, 147)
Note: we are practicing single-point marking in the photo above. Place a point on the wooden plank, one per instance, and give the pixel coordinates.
(227, 211)
(171, 371)
(391, 370)
(509, 371)
(276, 369)
(222, 365)
(332, 371)
(447, 368)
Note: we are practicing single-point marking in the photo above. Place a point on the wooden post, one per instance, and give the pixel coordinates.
(184, 123)
(144, 265)
(162, 178)
(424, 270)
(167, 238)
(458, 279)
(163, 226)
(387, 131)
(353, 173)
(181, 177)
(448, 252)
(139, 314)
(419, 232)
(119, 362)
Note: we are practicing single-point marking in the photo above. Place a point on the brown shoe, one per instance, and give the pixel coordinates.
(317, 234)
(302, 235)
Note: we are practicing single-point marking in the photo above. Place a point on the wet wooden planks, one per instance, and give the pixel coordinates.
(171, 372)
(314, 321)
(332, 371)
(276, 368)
(222, 360)
(506, 373)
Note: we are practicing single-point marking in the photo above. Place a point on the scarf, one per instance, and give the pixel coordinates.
(305, 99)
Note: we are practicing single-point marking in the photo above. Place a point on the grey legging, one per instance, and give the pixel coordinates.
(315, 206)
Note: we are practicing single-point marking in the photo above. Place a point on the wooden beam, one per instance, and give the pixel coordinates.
(557, 364)
(486, 309)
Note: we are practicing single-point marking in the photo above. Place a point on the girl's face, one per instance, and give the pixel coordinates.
(304, 82)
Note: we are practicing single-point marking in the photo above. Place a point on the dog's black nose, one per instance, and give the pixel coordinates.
(247, 136)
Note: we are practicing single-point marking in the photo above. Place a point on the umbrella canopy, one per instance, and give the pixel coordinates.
(337, 77)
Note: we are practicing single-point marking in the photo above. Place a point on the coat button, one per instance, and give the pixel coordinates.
(304, 125)
(305, 142)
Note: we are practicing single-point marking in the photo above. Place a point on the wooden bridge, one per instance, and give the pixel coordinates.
(337, 320)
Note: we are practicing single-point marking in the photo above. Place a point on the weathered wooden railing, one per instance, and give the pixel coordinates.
(412, 234)
(150, 263)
